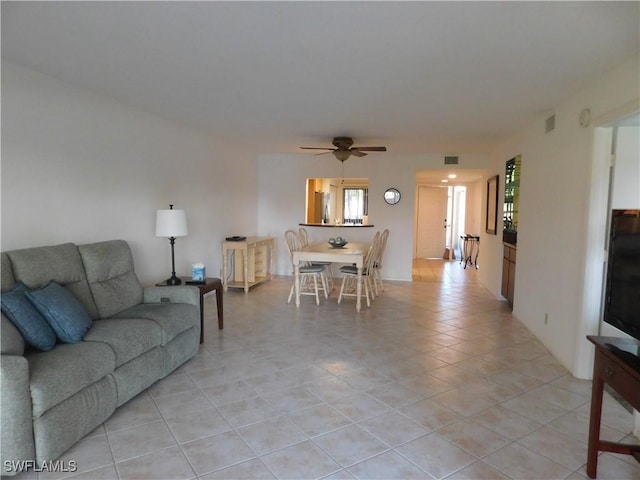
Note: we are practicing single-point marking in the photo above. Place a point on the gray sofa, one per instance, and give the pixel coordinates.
(51, 399)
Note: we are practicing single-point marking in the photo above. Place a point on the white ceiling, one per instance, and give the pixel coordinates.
(417, 77)
(436, 177)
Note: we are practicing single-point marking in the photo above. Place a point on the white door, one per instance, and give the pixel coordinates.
(431, 219)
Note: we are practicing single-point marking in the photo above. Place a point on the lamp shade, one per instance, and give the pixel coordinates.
(171, 223)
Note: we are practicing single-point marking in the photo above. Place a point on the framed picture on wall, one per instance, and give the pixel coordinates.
(492, 205)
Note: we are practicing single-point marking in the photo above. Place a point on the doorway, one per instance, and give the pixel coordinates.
(431, 222)
(447, 206)
(440, 222)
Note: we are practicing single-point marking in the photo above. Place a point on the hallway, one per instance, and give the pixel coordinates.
(443, 271)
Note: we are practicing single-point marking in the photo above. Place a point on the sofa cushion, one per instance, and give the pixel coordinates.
(110, 273)
(173, 318)
(65, 370)
(27, 319)
(67, 422)
(62, 263)
(62, 310)
(128, 338)
(7, 280)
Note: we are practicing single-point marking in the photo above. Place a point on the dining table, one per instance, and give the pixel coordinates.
(351, 253)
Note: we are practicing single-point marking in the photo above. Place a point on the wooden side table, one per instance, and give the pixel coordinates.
(210, 285)
(624, 378)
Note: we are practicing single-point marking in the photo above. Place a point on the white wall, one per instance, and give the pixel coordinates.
(625, 188)
(554, 211)
(281, 190)
(626, 177)
(78, 167)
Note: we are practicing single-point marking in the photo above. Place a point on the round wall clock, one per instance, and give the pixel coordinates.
(392, 196)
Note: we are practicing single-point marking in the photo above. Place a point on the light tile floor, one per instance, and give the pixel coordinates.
(436, 380)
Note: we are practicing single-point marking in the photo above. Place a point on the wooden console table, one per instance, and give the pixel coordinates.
(624, 378)
(253, 261)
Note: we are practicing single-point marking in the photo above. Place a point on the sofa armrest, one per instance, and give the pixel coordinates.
(17, 442)
(178, 294)
(11, 341)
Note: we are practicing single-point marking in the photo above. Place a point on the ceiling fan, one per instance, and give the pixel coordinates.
(344, 149)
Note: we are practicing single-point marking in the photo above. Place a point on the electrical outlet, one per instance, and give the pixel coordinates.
(165, 300)
(546, 318)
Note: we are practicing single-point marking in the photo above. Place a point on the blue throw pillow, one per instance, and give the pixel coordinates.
(63, 311)
(27, 319)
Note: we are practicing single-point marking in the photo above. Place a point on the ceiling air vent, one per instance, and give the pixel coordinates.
(451, 160)
(550, 124)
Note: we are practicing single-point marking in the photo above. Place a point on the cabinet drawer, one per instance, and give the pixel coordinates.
(620, 380)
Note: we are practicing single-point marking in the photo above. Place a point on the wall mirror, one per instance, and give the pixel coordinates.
(511, 200)
(491, 222)
(392, 196)
(337, 201)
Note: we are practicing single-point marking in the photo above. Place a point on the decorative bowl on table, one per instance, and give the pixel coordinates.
(337, 242)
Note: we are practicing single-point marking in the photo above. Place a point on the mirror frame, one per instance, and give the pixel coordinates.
(392, 196)
(491, 218)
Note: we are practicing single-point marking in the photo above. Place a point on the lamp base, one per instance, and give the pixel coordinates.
(174, 281)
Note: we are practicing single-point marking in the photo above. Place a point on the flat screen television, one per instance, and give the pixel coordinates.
(622, 294)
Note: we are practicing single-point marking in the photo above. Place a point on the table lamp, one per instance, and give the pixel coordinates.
(171, 223)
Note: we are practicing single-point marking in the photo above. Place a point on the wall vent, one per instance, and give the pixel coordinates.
(451, 160)
(550, 124)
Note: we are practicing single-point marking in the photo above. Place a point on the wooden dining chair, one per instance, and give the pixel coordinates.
(377, 267)
(305, 241)
(350, 274)
(309, 274)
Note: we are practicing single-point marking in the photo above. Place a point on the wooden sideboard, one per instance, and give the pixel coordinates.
(253, 260)
(624, 378)
(509, 272)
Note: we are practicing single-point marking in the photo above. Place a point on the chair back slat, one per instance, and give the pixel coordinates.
(292, 242)
(304, 237)
(372, 253)
(383, 246)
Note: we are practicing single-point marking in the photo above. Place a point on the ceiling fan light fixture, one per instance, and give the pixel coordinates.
(344, 149)
(342, 155)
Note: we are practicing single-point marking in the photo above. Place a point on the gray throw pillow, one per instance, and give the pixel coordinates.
(27, 319)
(63, 311)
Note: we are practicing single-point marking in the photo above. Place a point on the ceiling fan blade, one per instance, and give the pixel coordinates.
(323, 153)
(372, 149)
(357, 153)
(316, 148)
